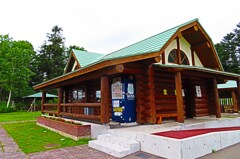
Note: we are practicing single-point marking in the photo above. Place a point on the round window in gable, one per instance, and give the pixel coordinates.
(172, 57)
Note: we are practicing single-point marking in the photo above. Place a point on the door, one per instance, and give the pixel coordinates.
(189, 97)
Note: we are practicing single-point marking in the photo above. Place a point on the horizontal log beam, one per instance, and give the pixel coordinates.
(50, 112)
(50, 105)
(132, 71)
(165, 96)
(168, 108)
(163, 101)
(81, 104)
(201, 115)
(202, 111)
(82, 116)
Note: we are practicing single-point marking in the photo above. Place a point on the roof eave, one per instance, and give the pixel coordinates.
(93, 67)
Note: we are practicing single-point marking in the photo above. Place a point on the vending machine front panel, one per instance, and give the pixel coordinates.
(117, 97)
(123, 100)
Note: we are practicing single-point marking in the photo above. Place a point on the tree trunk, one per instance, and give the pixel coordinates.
(9, 98)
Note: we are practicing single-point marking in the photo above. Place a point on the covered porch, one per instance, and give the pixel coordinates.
(86, 97)
(195, 93)
(162, 91)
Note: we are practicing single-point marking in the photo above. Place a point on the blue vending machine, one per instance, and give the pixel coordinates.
(123, 100)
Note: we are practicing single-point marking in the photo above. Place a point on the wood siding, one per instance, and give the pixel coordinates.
(165, 98)
(201, 103)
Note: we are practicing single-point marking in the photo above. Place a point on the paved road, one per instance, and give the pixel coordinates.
(232, 152)
(10, 150)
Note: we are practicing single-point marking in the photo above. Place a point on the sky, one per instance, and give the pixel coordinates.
(104, 26)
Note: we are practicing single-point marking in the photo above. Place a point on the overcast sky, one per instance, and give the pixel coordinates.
(104, 26)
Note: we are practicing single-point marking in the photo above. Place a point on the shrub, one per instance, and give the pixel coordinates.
(4, 109)
(21, 106)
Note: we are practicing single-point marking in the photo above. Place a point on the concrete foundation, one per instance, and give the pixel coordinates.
(188, 148)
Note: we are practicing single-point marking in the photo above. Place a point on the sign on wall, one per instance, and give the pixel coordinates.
(164, 92)
(198, 91)
(117, 89)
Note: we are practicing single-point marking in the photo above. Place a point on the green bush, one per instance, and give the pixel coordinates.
(53, 101)
(21, 106)
(4, 109)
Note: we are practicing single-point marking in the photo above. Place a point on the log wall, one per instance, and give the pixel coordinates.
(201, 103)
(165, 98)
(144, 91)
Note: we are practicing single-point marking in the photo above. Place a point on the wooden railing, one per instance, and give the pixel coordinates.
(81, 104)
(227, 105)
(50, 108)
(77, 110)
(89, 111)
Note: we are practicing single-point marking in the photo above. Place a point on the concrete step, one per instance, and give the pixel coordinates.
(120, 141)
(111, 149)
(115, 145)
(123, 133)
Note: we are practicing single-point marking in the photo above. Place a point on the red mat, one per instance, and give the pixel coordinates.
(181, 134)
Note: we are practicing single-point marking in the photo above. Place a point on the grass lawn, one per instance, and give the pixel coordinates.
(32, 138)
(18, 116)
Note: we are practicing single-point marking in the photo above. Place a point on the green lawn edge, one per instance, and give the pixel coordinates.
(19, 116)
(33, 138)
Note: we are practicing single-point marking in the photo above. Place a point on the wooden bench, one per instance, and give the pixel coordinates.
(228, 108)
(160, 116)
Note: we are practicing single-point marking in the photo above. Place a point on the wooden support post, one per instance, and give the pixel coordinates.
(105, 117)
(178, 52)
(216, 99)
(234, 100)
(66, 95)
(43, 100)
(139, 96)
(193, 57)
(60, 100)
(152, 94)
(179, 98)
(163, 58)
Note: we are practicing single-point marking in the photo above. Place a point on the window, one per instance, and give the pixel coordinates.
(78, 95)
(172, 57)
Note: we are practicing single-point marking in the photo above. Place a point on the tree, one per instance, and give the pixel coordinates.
(51, 59)
(229, 51)
(74, 47)
(15, 57)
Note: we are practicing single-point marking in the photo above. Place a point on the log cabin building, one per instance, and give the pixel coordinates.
(172, 74)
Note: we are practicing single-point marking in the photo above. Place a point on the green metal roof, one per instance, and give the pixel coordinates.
(197, 68)
(151, 44)
(85, 58)
(39, 95)
(228, 84)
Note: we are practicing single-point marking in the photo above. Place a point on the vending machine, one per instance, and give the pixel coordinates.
(123, 100)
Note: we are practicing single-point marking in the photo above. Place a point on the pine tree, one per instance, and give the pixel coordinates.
(51, 60)
(229, 50)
